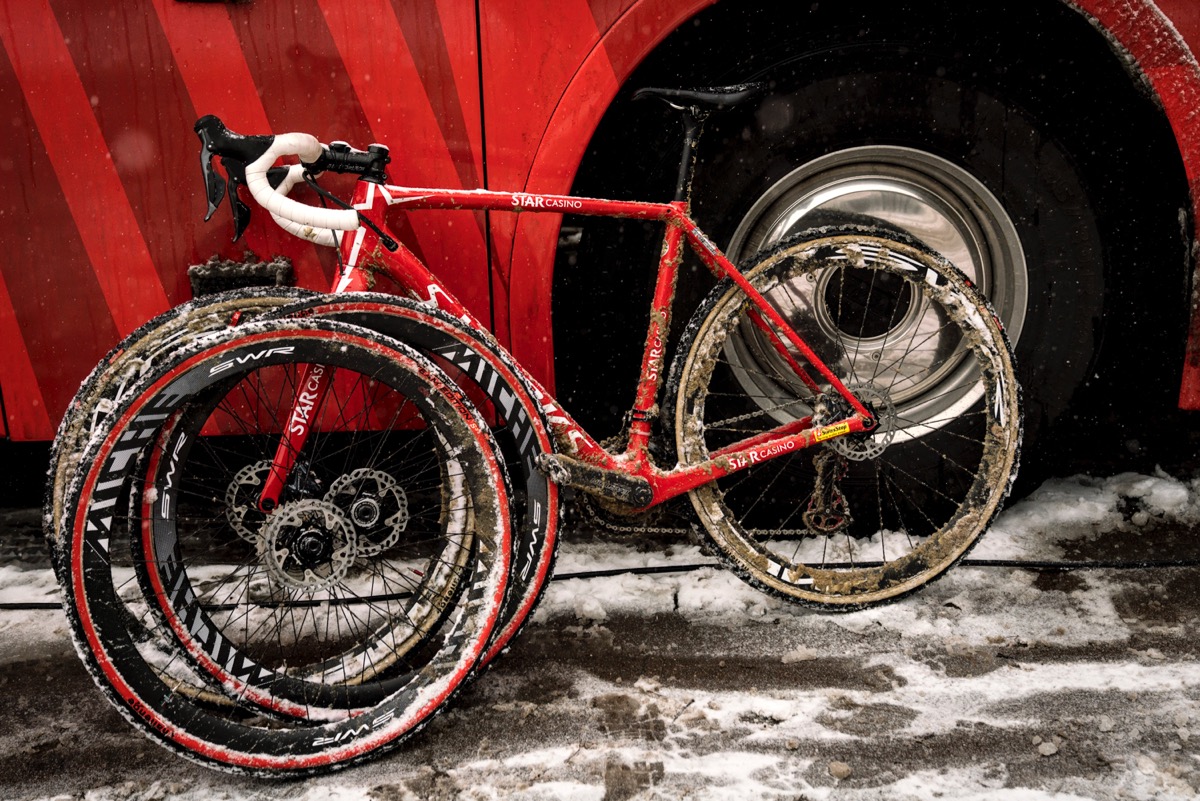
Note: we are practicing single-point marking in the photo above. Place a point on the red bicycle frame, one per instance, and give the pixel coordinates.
(364, 255)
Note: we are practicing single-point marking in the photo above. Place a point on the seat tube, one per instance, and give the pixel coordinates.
(654, 355)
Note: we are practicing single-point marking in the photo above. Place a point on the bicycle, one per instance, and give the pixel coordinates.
(835, 345)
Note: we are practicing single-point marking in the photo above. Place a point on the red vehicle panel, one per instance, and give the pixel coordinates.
(103, 209)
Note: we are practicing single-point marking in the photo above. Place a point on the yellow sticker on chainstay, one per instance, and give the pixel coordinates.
(829, 432)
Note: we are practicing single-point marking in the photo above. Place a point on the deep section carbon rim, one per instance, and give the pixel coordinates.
(866, 518)
(241, 736)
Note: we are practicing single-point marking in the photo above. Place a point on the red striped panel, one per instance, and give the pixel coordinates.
(145, 118)
(218, 80)
(302, 86)
(389, 88)
(79, 156)
(607, 12)
(56, 323)
(441, 39)
(24, 407)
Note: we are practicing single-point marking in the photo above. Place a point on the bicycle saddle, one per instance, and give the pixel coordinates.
(712, 98)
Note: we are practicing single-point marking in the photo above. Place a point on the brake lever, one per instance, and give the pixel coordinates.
(237, 177)
(241, 212)
(236, 151)
(214, 184)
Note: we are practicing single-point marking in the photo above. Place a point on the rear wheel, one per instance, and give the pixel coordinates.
(995, 196)
(861, 519)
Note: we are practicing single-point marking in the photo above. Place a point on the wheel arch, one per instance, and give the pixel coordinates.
(1155, 54)
(1134, 32)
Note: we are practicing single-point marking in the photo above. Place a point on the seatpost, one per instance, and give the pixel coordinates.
(693, 126)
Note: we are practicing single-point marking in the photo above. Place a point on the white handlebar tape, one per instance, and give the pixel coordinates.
(321, 236)
(308, 149)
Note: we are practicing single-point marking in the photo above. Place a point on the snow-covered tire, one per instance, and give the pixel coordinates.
(139, 459)
(113, 376)
(896, 320)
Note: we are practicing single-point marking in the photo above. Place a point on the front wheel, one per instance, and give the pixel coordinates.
(333, 627)
(861, 519)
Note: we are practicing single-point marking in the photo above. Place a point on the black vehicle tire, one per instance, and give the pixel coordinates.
(1000, 200)
(859, 519)
(158, 450)
(986, 124)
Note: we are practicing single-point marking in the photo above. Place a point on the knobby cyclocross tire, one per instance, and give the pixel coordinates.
(142, 458)
(363, 490)
(108, 384)
(477, 363)
(859, 519)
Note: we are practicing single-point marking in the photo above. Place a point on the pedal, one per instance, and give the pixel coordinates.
(563, 470)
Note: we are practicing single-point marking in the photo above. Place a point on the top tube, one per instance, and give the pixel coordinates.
(477, 199)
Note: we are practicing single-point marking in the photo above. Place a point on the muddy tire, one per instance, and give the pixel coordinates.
(298, 629)
(114, 375)
(490, 376)
(864, 519)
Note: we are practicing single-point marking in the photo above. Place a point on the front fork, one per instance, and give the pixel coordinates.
(362, 255)
(315, 380)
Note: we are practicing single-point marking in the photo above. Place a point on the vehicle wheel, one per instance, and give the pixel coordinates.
(1000, 201)
(861, 519)
(349, 651)
(953, 122)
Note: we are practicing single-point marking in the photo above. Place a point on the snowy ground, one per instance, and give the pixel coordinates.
(994, 683)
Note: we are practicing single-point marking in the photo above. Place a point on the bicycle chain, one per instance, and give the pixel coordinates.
(587, 507)
(757, 413)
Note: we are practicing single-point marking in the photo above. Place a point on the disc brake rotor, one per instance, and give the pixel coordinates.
(860, 447)
(241, 500)
(308, 545)
(374, 504)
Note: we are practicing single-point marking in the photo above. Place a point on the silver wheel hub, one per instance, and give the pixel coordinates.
(376, 506)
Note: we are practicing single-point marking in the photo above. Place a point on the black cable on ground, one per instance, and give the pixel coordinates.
(1144, 564)
(1148, 564)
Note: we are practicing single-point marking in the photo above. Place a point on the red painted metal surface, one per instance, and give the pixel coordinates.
(103, 206)
(523, 255)
(109, 210)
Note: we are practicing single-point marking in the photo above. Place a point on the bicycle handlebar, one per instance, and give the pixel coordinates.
(310, 151)
(249, 160)
(321, 236)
